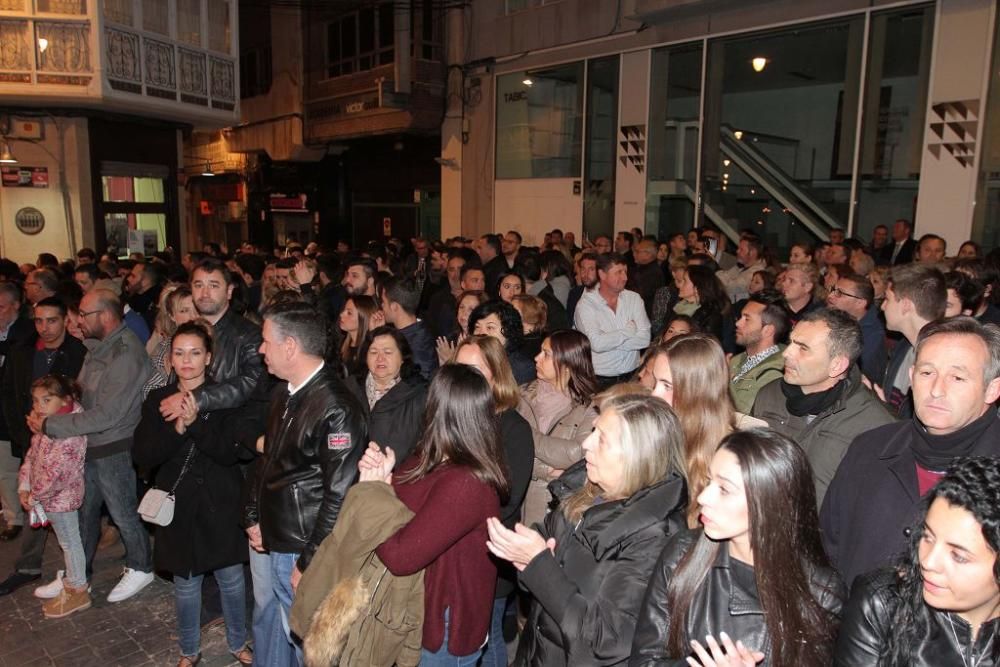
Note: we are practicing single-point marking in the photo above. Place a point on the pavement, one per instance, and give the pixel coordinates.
(137, 632)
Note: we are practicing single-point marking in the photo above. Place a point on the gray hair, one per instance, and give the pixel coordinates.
(303, 323)
(844, 338)
(963, 325)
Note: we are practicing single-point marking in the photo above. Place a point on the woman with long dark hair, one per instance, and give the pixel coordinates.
(500, 320)
(454, 481)
(940, 605)
(753, 585)
(559, 406)
(588, 566)
(354, 321)
(703, 298)
(203, 475)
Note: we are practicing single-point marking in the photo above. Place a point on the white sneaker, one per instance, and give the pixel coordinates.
(52, 589)
(131, 583)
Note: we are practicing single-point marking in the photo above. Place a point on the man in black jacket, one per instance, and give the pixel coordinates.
(236, 365)
(314, 440)
(50, 351)
(875, 495)
(14, 330)
(400, 299)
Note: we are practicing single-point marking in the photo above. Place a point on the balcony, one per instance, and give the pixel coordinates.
(169, 59)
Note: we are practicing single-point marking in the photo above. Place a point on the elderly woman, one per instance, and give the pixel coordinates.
(392, 390)
(559, 407)
(587, 568)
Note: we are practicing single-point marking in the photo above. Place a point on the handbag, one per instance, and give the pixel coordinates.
(157, 506)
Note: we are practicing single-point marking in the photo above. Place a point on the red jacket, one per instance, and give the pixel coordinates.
(447, 539)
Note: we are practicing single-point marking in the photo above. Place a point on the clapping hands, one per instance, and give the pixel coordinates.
(376, 466)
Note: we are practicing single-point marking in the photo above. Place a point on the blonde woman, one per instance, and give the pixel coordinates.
(588, 566)
(534, 318)
(691, 375)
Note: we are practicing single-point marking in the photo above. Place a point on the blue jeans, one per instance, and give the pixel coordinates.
(265, 607)
(187, 599)
(495, 653)
(111, 481)
(284, 649)
(441, 657)
(67, 527)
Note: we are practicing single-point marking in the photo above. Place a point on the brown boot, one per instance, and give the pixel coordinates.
(109, 536)
(68, 601)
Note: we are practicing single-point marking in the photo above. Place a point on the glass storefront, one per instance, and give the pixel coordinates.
(602, 130)
(986, 217)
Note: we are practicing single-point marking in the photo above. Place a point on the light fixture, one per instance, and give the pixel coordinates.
(725, 163)
(42, 44)
(527, 81)
(738, 134)
(725, 177)
(6, 157)
(759, 63)
(208, 169)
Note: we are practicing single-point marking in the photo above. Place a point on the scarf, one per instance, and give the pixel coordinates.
(801, 404)
(752, 362)
(373, 393)
(937, 452)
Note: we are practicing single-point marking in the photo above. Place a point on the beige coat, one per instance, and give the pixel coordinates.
(349, 609)
(556, 450)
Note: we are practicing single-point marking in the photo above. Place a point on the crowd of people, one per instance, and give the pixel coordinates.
(474, 452)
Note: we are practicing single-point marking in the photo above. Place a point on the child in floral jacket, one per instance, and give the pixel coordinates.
(52, 477)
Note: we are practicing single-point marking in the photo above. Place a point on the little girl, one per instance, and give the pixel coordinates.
(52, 476)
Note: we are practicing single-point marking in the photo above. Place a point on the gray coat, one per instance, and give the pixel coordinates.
(826, 438)
(112, 375)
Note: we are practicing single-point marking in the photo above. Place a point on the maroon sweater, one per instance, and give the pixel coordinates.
(447, 539)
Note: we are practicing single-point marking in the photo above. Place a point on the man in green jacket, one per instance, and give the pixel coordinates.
(821, 402)
(761, 330)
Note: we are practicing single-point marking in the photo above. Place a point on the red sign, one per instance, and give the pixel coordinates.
(281, 202)
(24, 177)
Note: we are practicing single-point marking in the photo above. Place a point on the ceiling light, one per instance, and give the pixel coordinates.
(6, 157)
(208, 169)
(759, 63)
(725, 163)
(738, 134)
(528, 82)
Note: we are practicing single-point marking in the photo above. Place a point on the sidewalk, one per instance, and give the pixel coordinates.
(138, 631)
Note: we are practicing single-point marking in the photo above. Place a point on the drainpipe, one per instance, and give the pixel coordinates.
(404, 61)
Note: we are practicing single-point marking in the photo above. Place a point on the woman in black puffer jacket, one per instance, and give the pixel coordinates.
(588, 568)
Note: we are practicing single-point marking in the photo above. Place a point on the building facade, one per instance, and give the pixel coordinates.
(96, 97)
(790, 118)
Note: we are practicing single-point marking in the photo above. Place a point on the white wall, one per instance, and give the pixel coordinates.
(54, 237)
(533, 206)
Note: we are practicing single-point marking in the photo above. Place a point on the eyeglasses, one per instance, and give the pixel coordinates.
(84, 313)
(840, 292)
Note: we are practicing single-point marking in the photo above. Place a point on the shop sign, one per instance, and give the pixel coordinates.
(283, 202)
(24, 177)
(29, 220)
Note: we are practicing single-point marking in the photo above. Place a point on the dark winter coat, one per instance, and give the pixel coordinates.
(587, 595)
(205, 534)
(396, 420)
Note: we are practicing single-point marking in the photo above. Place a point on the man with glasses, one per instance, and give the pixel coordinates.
(113, 372)
(855, 295)
(821, 402)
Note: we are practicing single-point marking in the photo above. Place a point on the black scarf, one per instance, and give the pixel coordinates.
(937, 452)
(800, 404)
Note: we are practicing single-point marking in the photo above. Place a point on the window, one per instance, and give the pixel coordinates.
(219, 38)
(540, 123)
(135, 211)
(75, 7)
(189, 21)
(255, 72)
(600, 164)
(518, 5)
(155, 17)
(119, 11)
(431, 46)
(361, 40)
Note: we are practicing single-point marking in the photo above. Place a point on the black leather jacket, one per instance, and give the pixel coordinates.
(587, 594)
(236, 364)
(867, 625)
(314, 441)
(721, 604)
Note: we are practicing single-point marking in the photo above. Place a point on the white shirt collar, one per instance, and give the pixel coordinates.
(292, 389)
